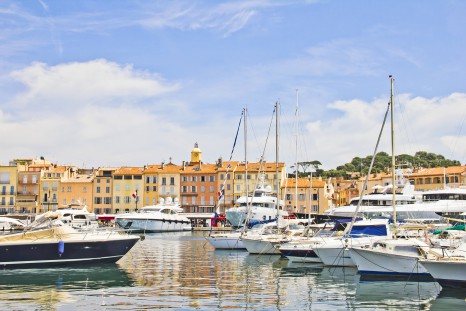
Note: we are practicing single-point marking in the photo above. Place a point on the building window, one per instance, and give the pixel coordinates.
(117, 200)
(34, 179)
(202, 178)
(172, 181)
(212, 178)
(184, 189)
(184, 178)
(193, 188)
(108, 200)
(193, 178)
(84, 189)
(69, 188)
(98, 190)
(202, 189)
(164, 181)
(107, 189)
(117, 187)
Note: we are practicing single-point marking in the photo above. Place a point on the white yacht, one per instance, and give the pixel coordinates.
(165, 216)
(263, 207)
(432, 206)
(75, 215)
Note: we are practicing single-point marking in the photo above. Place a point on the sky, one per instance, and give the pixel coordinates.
(129, 83)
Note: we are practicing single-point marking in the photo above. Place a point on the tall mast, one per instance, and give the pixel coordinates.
(296, 153)
(392, 114)
(245, 111)
(277, 124)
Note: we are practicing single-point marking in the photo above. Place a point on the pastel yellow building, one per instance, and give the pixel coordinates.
(8, 188)
(127, 189)
(298, 198)
(77, 188)
(50, 186)
(103, 191)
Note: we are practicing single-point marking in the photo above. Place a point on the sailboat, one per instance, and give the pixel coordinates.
(391, 257)
(229, 240)
(271, 234)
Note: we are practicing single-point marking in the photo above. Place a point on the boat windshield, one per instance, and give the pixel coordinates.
(149, 209)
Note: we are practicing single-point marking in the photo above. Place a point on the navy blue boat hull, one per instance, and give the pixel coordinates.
(52, 254)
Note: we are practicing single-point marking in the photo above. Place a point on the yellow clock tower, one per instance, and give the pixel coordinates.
(196, 154)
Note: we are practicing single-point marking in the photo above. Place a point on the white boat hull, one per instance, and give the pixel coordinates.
(372, 262)
(226, 241)
(236, 216)
(448, 273)
(261, 246)
(153, 225)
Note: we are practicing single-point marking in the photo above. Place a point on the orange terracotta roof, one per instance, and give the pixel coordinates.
(79, 179)
(202, 169)
(439, 171)
(125, 170)
(169, 168)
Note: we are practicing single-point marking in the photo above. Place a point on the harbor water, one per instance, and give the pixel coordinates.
(182, 271)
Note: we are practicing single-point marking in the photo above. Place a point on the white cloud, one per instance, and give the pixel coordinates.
(71, 85)
(432, 125)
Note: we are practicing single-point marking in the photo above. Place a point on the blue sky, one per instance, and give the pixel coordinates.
(113, 83)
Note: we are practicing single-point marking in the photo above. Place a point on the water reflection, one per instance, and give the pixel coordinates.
(182, 271)
(48, 288)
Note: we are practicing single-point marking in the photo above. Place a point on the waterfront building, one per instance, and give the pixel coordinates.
(199, 187)
(225, 181)
(168, 180)
(49, 184)
(298, 198)
(8, 186)
(151, 178)
(77, 188)
(198, 184)
(257, 171)
(102, 190)
(438, 178)
(127, 186)
(28, 187)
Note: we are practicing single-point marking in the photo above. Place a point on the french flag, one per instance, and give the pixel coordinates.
(221, 193)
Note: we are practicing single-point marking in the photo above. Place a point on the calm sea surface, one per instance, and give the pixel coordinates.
(181, 271)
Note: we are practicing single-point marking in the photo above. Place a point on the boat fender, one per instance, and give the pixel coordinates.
(61, 247)
(176, 221)
(169, 221)
(142, 237)
(163, 220)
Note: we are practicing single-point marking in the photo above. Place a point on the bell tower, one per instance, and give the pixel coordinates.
(196, 154)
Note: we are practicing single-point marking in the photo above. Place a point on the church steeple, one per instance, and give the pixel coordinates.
(196, 154)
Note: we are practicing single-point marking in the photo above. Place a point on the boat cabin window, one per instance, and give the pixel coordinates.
(79, 217)
(443, 196)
